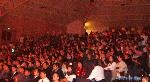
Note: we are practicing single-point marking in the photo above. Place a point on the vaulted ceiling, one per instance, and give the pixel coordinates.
(62, 12)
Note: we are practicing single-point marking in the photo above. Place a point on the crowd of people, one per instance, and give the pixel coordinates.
(99, 57)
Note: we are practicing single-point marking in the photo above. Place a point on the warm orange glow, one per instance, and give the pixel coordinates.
(89, 26)
(88, 31)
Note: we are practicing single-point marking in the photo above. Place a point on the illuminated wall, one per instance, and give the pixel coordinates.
(76, 27)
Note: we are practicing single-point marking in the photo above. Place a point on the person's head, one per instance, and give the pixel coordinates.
(55, 66)
(14, 68)
(36, 72)
(5, 67)
(1, 62)
(45, 65)
(37, 63)
(21, 70)
(17, 63)
(95, 62)
(60, 58)
(79, 64)
(69, 69)
(64, 65)
(80, 54)
(126, 56)
(119, 58)
(27, 72)
(24, 64)
(89, 56)
(111, 59)
(43, 74)
(55, 77)
(53, 58)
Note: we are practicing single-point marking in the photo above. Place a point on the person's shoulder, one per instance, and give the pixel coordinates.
(40, 80)
(114, 63)
(98, 67)
(47, 80)
(123, 62)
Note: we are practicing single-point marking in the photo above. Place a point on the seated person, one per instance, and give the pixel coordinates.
(97, 73)
(57, 70)
(43, 77)
(56, 77)
(70, 76)
(121, 67)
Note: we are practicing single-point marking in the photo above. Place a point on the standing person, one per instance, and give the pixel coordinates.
(43, 77)
(97, 73)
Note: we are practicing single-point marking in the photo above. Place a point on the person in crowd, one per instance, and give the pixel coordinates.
(47, 69)
(64, 68)
(28, 75)
(20, 77)
(56, 77)
(57, 69)
(36, 76)
(70, 76)
(14, 72)
(80, 71)
(88, 65)
(6, 74)
(43, 77)
(97, 73)
(112, 68)
(121, 67)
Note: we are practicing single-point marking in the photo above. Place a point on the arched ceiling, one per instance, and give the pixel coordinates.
(61, 12)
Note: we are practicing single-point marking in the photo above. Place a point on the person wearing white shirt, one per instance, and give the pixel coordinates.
(43, 77)
(111, 67)
(70, 76)
(97, 73)
(121, 67)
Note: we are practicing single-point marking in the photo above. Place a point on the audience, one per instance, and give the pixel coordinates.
(69, 57)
